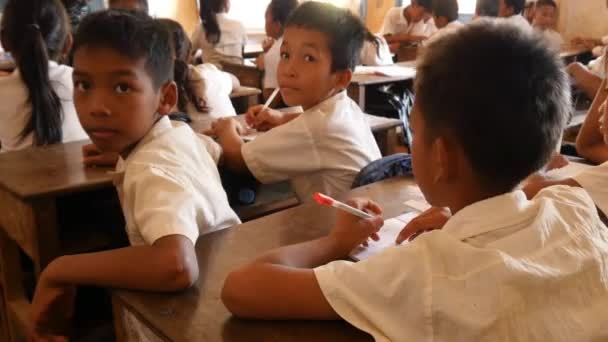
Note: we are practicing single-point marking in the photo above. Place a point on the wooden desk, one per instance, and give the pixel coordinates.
(245, 97)
(572, 53)
(249, 76)
(199, 315)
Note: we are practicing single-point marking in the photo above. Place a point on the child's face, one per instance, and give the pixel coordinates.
(304, 71)
(415, 12)
(273, 28)
(115, 97)
(132, 5)
(544, 17)
(504, 11)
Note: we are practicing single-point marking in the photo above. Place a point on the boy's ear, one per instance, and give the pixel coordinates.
(446, 162)
(342, 78)
(67, 46)
(168, 98)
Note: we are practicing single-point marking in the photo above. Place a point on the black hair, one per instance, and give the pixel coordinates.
(142, 3)
(76, 10)
(426, 4)
(487, 8)
(182, 48)
(498, 91)
(35, 32)
(281, 9)
(208, 12)
(345, 32)
(446, 8)
(551, 3)
(517, 5)
(132, 34)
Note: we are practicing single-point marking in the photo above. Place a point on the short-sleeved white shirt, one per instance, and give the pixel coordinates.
(376, 55)
(503, 269)
(16, 110)
(395, 22)
(321, 150)
(449, 28)
(553, 38)
(170, 185)
(271, 64)
(233, 38)
(595, 181)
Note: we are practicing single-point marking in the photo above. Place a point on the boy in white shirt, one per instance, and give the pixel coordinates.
(512, 11)
(168, 185)
(325, 147)
(445, 15)
(408, 25)
(545, 16)
(588, 77)
(486, 8)
(503, 267)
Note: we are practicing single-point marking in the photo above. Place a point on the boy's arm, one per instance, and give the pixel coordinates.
(227, 131)
(590, 141)
(282, 283)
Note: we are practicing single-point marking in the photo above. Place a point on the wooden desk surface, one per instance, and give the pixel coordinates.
(50, 170)
(572, 51)
(245, 91)
(199, 315)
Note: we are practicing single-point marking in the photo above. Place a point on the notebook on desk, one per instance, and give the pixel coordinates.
(386, 70)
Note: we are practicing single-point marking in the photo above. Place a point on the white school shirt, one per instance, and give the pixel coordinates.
(449, 28)
(170, 185)
(215, 87)
(376, 55)
(595, 181)
(503, 269)
(553, 39)
(321, 150)
(16, 110)
(598, 66)
(395, 22)
(519, 21)
(230, 47)
(271, 65)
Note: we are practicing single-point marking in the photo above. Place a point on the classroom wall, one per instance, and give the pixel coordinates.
(184, 11)
(375, 12)
(587, 18)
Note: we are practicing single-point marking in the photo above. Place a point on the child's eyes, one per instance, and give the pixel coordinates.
(81, 86)
(309, 58)
(284, 55)
(122, 88)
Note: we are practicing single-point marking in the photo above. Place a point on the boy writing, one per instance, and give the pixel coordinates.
(168, 184)
(325, 147)
(494, 271)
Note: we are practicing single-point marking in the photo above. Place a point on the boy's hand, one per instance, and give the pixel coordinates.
(351, 231)
(432, 219)
(52, 309)
(263, 120)
(267, 44)
(226, 126)
(93, 156)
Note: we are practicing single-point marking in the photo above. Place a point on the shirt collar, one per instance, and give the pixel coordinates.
(328, 103)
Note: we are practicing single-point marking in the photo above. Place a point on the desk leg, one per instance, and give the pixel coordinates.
(17, 306)
(46, 241)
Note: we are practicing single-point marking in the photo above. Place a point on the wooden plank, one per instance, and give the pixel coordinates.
(16, 305)
(249, 76)
(18, 221)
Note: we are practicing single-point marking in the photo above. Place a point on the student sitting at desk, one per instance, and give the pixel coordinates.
(486, 8)
(168, 185)
(325, 147)
(588, 77)
(503, 267)
(408, 25)
(445, 14)
(37, 107)
(204, 90)
(512, 11)
(132, 5)
(220, 38)
(375, 51)
(545, 16)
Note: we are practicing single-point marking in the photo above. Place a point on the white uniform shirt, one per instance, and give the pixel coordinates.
(553, 38)
(321, 150)
(271, 64)
(519, 21)
(595, 181)
(449, 28)
(16, 110)
(215, 87)
(395, 22)
(376, 55)
(598, 66)
(169, 185)
(503, 269)
(230, 47)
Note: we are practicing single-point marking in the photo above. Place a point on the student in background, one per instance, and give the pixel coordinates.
(276, 15)
(530, 10)
(411, 24)
(325, 147)
(445, 15)
(133, 5)
(545, 17)
(496, 268)
(591, 142)
(512, 10)
(487, 8)
(37, 107)
(220, 38)
(168, 185)
(588, 77)
(375, 51)
(204, 90)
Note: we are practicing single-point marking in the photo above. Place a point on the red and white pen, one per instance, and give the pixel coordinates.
(328, 201)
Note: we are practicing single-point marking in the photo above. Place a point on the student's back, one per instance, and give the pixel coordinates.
(37, 106)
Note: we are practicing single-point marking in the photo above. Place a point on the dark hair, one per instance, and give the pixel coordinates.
(132, 34)
(480, 99)
(76, 10)
(551, 3)
(35, 32)
(446, 8)
(345, 32)
(517, 5)
(281, 9)
(487, 8)
(426, 4)
(208, 12)
(182, 47)
(142, 3)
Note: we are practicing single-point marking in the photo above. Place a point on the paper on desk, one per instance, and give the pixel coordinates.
(386, 70)
(388, 234)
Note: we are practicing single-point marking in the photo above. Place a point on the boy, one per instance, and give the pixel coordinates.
(545, 16)
(512, 10)
(445, 15)
(132, 5)
(411, 24)
(168, 185)
(503, 268)
(325, 147)
(588, 77)
(486, 8)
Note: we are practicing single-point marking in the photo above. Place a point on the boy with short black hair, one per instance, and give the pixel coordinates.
(545, 16)
(168, 185)
(445, 15)
(410, 24)
(512, 10)
(495, 270)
